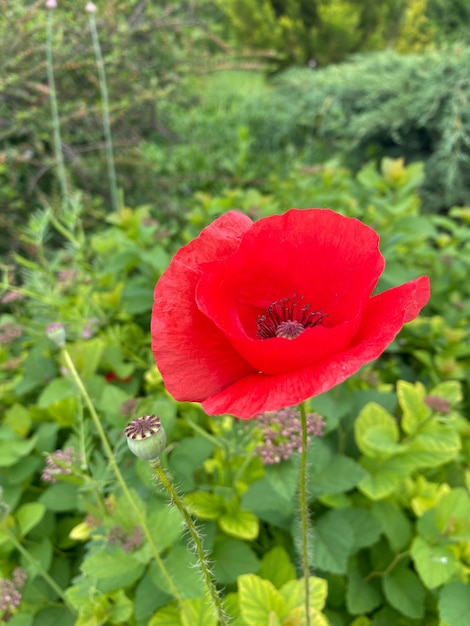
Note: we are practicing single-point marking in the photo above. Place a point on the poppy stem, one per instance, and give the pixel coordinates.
(134, 506)
(191, 526)
(304, 512)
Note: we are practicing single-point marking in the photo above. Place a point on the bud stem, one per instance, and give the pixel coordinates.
(202, 558)
(304, 512)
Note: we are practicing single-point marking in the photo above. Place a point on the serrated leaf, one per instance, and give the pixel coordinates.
(340, 474)
(361, 596)
(107, 565)
(182, 568)
(435, 564)
(208, 506)
(232, 558)
(433, 445)
(395, 525)
(198, 612)
(294, 593)
(454, 505)
(12, 449)
(333, 541)
(167, 526)
(240, 524)
(29, 515)
(384, 477)
(259, 601)
(376, 432)
(365, 527)
(411, 399)
(277, 567)
(57, 390)
(454, 604)
(167, 616)
(405, 592)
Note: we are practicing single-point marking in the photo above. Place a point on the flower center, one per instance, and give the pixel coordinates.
(287, 318)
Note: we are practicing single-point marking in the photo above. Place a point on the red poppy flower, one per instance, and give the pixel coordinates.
(251, 317)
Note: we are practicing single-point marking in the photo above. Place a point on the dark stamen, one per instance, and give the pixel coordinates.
(288, 318)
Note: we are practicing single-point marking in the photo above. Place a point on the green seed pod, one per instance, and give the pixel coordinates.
(146, 437)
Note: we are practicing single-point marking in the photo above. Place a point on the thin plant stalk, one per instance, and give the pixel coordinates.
(202, 559)
(304, 513)
(59, 156)
(105, 112)
(117, 472)
(42, 572)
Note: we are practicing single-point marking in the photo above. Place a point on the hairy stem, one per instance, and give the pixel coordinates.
(139, 515)
(304, 513)
(202, 559)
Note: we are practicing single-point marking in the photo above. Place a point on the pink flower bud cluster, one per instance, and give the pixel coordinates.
(10, 596)
(58, 463)
(282, 433)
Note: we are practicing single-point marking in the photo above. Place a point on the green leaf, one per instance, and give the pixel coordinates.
(376, 432)
(362, 596)
(395, 525)
(167, 616)
(435, 564)
(294, 593)
(449, 390)
(184, 571)
(167, 526)
(334, 540)
(86, 355)
(18, 418)
(120, 607)
(276, 567)
(433, 445)
(231, 559)
(60, 497)
(260, 601)
(411, 399)
(366, 529)
(339, 474)
(57, 390)
(113, 569)
(198, 612)
(205, 505)
(405, 592)
(385, 477)
(454, 604)
(12, 448)
(453, 511)
(240, 524)
(29, 515)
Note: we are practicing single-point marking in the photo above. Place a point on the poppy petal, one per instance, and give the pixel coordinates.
(383, 319)
(195, 359)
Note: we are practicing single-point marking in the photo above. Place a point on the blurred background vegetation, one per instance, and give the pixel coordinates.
(257, 105)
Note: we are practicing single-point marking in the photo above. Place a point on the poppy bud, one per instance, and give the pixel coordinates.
(146, 437)
(56, 333)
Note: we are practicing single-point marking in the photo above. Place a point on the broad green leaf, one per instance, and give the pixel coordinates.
(333, 541)
(362, 620)
(205, 505)
(454, 604)
(18, 418)
(260, 601)
(232, 558)
(294, 593)
(267, 504)
(366, 529)
(395, 525)
(57, 390)
(405, 592)
(166, 525)
(362, 596)
(385, 477)
(12, 448)
(240, 524)
(60, 497)
(198, 612)
(86, 355)
(376, 432)
(29, 515)
(113, 569)
(411, 399)
(120, 607)
(433, 445)
(167, 616)
(340, 474)
(181, 565)
(449, 390)
(435, 564)
(277, 567)
(21, 619)
(453, 512)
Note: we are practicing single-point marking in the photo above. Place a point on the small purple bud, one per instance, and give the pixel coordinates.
(51, 4)
(90, 7)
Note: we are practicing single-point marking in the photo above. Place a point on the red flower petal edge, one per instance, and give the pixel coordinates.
(255, 317)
